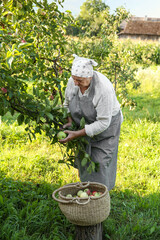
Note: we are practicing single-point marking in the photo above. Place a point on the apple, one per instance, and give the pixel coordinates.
(4, 90)
(61, 135)
(79, 193)
(87, 191)
(84, 195)
(51, 97)
(68, 195)
(96, 194)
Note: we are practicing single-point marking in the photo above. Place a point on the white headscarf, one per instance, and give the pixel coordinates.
(83, 67)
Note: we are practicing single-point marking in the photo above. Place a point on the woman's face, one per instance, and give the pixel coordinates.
(81, 82)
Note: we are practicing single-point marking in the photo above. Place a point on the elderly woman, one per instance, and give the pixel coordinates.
(90, 94)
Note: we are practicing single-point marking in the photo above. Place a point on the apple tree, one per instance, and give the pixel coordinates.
(33, 68)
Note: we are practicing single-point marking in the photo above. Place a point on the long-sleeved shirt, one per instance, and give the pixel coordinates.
(104, 101)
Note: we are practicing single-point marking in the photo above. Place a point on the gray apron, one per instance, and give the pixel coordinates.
(103, 148)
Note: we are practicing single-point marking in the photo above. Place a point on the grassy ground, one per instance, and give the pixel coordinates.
(29, 173)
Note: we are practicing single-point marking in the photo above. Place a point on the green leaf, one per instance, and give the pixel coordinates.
(24, 45)
(34, 136)
(27, 120)
(82, 122)
(65, 113)
(87, 155)
(61, 161)
(9, 54)
(13, 46)
(49, 115)
(47, 101)
(9, 62)
(37, 92)
(38, 119)
(20, 119)
(93, 166)
(153, 228)
(30, 137)
(1, 199)
(84, 162)
(34, 90)
(55, 102)
(12, 111)
(89, 169)
(6, 13)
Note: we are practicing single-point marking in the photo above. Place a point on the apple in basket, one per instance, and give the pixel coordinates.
(79, 193)
(87, 191)
(95, 194)
(84, 195)
(68, 195)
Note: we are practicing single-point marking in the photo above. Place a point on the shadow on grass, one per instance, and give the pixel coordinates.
(147, 107)
(133, 216)
(28, 212)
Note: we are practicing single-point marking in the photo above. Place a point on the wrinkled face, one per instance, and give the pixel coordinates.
(81, 82)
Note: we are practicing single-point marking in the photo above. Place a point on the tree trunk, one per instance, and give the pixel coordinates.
(89, 232)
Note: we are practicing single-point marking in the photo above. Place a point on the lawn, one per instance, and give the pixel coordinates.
(29, 173)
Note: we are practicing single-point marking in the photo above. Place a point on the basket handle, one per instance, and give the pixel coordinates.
(60, 200)
(83, 203)
(69, 200)
(78, 185)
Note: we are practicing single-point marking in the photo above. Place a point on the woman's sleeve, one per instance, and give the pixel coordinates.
(104, 109)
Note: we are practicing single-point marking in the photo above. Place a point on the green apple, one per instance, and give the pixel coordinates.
(79, 193)
(84, 195)
(96, 194)
(68, 195)
(61, 135)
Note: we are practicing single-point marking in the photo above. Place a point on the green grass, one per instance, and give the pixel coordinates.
(149, 79)
(147, 107)
(29, 173)
(135, 200)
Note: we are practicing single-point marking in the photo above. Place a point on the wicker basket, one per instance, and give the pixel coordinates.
(87, 211)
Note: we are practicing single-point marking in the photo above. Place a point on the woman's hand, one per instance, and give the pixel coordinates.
(72, 135)
(69, 123)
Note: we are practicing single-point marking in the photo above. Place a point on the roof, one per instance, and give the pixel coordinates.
(140, 27)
